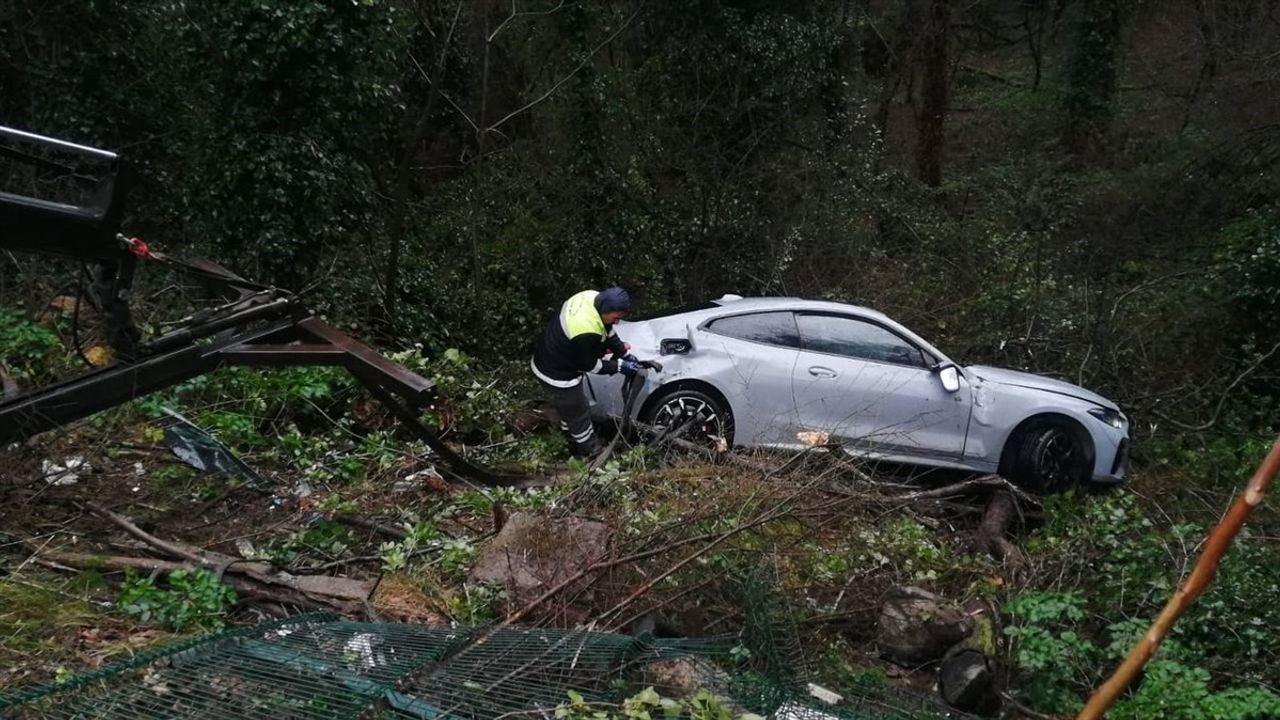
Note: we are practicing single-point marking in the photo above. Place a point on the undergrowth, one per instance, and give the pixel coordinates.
(1223, 660)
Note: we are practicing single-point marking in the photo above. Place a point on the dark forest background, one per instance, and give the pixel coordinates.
(1084, 188)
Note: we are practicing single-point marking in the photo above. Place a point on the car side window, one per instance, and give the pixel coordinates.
(851, 337)
(771, 328)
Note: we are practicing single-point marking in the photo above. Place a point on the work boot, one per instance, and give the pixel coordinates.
(585, 450)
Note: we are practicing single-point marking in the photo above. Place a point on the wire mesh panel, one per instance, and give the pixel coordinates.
(316, 666)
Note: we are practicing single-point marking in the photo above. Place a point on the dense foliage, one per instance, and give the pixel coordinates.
(1107, 196)
(1098, 198)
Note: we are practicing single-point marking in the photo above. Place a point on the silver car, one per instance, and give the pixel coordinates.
(786, 373)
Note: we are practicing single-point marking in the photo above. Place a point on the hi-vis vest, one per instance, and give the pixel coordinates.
(573, 343)
(578, 315)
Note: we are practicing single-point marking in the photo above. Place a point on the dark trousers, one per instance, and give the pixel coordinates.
(575, 418)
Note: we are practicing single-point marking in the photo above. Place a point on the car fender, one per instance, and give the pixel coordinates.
(999, 410)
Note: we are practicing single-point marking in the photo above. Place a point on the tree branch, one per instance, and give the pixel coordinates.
(566, 78)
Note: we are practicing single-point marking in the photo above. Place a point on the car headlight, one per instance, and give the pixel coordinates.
(1111, 417)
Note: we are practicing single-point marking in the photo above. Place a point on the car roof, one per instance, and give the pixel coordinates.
(732, 304)
(793, 303)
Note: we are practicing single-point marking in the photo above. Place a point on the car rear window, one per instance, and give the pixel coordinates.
(771, 328)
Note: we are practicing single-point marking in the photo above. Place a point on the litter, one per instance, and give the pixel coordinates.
(203, 451)
(67, 472)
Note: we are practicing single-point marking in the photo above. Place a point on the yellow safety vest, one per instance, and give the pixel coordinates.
(579, 316)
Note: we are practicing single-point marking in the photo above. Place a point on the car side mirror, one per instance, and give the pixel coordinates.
(950, 377)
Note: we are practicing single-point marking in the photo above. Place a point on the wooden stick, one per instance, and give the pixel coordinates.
(985, 482)
(185, 552)
(1202, 575)
(316, 585)
(243, 585)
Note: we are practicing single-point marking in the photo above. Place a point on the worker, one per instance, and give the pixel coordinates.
(581, 339)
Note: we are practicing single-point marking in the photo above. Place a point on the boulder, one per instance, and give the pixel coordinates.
(533, 553)
(680, 678)
(970, 675)
(967, 680)
(916, 627)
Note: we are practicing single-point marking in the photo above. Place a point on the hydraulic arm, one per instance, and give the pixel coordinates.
(256, 325)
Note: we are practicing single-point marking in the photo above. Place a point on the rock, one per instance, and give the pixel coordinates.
(970, 676)
(917, 627)
(533, 553)
(99, 355)
(8, 386)
(827, 696)
(680, 678)
(967, 680)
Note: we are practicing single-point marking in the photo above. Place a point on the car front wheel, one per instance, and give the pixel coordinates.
(692, 415)
(1050, 459)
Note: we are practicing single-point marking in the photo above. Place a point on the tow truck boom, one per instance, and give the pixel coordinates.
(257, 325)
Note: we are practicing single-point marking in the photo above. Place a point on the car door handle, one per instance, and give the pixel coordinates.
(823, 372)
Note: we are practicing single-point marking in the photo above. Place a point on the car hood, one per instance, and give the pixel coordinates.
(1038, 382)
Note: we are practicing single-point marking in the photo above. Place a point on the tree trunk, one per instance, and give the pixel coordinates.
(403, 178)
(934, 90)
(1091, 73)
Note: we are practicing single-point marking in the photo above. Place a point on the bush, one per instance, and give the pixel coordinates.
(193, 599)
(28, 350)
(1064, 641)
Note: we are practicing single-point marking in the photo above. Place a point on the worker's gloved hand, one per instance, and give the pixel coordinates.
(631, 357)
(628, 366)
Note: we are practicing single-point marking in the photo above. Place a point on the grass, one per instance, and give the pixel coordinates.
(49, 628)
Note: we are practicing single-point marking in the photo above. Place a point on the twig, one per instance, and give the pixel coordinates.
(357, 521)
(1225, 394)
(515, 15)
(1013, 702)
(683, 592)
(33, 555)
(590, 56)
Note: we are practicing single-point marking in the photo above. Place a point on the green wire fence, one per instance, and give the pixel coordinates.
(318, 666)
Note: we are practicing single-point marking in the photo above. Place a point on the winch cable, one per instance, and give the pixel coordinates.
(631, 389)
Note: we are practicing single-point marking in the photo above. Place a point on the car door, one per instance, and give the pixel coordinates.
(874, 390)
(750, 357)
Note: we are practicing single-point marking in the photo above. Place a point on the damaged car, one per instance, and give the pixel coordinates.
(785, 373)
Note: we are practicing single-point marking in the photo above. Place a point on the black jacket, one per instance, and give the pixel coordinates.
(574, 342)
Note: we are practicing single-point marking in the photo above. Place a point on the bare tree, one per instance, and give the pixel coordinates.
(934, 91)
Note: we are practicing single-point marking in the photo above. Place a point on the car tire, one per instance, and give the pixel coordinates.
(711, 419)
(1049, 459)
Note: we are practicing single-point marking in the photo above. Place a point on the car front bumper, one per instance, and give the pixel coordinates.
(1111, 454)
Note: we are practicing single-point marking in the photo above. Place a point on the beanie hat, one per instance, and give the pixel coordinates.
(613, 299)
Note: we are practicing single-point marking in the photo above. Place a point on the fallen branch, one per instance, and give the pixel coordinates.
(984, 482)
(992, 534)
(690, 447)
(1202, 575)
(186, 552)
(366, 524)
(242, 585)
(322, 586)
